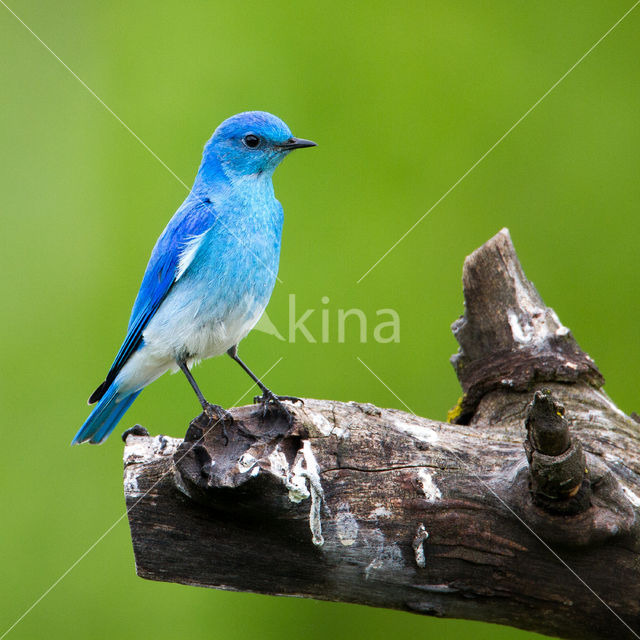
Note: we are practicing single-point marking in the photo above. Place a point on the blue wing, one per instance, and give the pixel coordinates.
(165, 266)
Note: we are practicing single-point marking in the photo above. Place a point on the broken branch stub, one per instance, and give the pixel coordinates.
(508, 337)
(557, 463)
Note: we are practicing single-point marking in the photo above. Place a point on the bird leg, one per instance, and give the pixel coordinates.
(212, 410)
(268, 398)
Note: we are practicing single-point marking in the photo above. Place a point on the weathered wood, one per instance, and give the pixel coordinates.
(359, 504)
(557, 466)
(508, 337)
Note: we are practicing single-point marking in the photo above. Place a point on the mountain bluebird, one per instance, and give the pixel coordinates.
(211, 272)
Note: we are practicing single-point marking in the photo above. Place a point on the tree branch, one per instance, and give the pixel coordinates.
(354, 503)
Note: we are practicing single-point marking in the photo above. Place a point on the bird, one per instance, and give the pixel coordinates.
(210, 275)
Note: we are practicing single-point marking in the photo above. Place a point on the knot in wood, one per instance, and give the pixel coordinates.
(557, 465)
(547, 429)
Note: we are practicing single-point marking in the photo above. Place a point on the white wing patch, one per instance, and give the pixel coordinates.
(188, 253)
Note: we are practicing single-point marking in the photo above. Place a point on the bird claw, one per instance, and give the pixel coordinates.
(270, 400)
(292, 399)
(221, 416)
(272, 397)
(215, 411)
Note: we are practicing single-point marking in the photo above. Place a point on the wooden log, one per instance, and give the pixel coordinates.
(482, 519)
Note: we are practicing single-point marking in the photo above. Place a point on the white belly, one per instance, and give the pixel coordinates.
(183, 332)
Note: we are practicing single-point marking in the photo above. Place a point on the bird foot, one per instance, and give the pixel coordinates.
(221, 417)
(270, 402)
(216, 412)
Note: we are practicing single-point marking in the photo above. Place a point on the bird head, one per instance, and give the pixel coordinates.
(251, 143)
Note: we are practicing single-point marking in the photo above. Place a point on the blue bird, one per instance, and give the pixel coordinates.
(211, 272)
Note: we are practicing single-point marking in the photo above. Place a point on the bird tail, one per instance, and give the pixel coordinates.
(104, 417)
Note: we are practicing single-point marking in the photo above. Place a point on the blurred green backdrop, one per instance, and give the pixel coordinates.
(402, 101)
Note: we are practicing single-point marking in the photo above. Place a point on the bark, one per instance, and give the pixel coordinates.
(522, 510)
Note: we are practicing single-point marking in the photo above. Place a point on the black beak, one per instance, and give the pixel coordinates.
(297, 143)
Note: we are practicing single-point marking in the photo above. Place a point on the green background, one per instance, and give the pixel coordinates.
(402, 102)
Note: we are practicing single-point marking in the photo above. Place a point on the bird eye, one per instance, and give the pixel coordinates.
(252, 141)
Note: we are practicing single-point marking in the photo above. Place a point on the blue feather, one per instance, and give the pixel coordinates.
(104, 417)
(193, 218)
